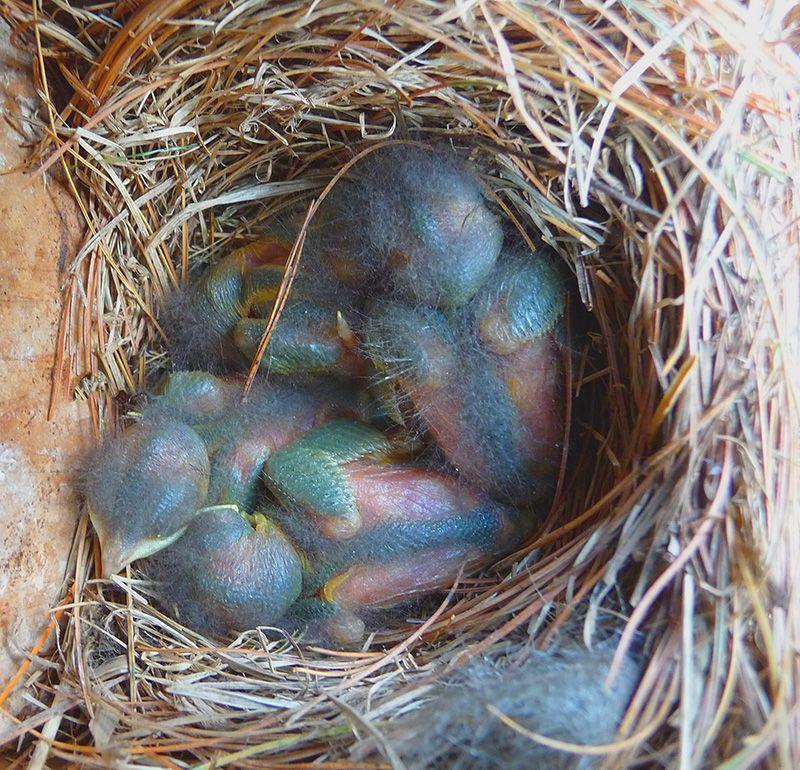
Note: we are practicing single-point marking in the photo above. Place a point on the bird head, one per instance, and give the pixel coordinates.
(229, 572)
(144, 487)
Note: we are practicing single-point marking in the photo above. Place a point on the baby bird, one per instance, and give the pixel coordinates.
(274, 416)
(229, 572)
(218, 323)
(311, 473)
(414, 216)
(201, 318)
(144, 488)
(486, 380)
(307, 340)
(196, 398)
(516, 319)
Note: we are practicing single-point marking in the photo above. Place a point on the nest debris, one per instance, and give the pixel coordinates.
(653, 146)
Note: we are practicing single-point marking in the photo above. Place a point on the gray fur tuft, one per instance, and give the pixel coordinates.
(559, 694)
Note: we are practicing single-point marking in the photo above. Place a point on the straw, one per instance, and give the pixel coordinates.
(653, 146)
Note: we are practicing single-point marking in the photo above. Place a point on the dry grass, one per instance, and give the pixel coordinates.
(654, 145)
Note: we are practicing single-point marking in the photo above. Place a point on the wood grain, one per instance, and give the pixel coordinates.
(39, 232)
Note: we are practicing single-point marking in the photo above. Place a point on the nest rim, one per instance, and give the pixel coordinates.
(668, 279)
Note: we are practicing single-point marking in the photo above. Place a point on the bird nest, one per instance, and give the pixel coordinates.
(653, 147)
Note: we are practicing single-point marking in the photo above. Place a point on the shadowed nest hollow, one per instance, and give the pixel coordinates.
(653, 147)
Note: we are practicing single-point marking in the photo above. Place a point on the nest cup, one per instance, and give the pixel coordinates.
(651, 147)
